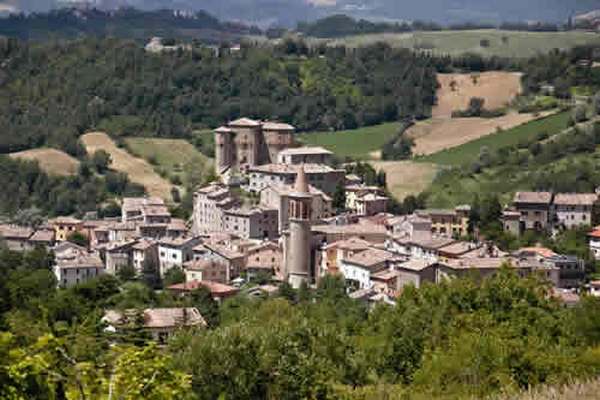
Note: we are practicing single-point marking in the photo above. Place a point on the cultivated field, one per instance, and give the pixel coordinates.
(469, 150)
(497, 88)
(356, 143)
(138, 170)
(174, 156)
(53, 161)
(501, 43)
(438, 134)
(406, 177)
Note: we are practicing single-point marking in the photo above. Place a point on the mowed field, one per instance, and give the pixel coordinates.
(501, 43)
(138, 170)
(458, 155)
(53, 161)
(497, 88)
(173, 155)
(406, 177)
(356, 143)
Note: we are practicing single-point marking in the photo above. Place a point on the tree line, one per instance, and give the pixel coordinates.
(52, 92)
(461, 339)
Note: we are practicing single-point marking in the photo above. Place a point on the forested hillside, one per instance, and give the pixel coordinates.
(125, 23)
(50, 93)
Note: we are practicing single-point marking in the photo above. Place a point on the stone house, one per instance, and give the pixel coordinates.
(322, 177)
(574, 209)
(265, 257)
(359, 268)
(305, 155)
(75, 264)
(66, 226)
(210, 203)
(449, 223)
(251, 223)
(145, 255)
(369, 204)
(16, 238)
(535, 209)
(206, 270)
(160, 323)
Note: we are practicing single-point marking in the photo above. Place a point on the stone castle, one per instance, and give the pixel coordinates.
(246, 143)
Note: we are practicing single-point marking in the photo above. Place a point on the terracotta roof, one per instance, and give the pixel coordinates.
(350, 229)
(216, 289)
(15, 232)
(533, 197)
(244, 122)
(385, 275)
(85, 260)
(415, 264)
(156, 318)
(144, 244)
(595, 284)
(176, 224)
(459, 248)
(42, 235)
(154, 210)
(65, 221)
(575, 199)
(371, 258)
(541, 251)
(178, 241)
(595, 233)
(353, 243)
(223, 251)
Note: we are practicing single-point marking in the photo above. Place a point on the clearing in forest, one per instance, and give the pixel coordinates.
(138, 170)
(52, 161)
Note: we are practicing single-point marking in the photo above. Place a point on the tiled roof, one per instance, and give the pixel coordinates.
(223, 129)
(415, 264)
(292, 168)
(216, 289)
(201, 265)
(277, 126)
(15, 232)
(42, 235)
(244, 122)
(157, 318)
(575, 199)
(533, 197)
(305, 151)
(353, 243)
(370, 258)
(542, 251)
(144, 244)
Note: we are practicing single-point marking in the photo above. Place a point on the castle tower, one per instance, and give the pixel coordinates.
(297, 257)
(248, 141)
(224, 148)
(278, 136)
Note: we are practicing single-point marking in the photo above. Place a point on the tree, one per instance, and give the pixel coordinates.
(126, 273)
(79, 239)
(202, 299)
(101, 161)
(173, 276)
(32, 217)
(339, 197)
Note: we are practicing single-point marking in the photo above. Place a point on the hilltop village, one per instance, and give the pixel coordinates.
(270, 220)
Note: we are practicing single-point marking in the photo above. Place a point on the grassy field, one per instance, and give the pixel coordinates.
(468, 151)
(501, 43)
(357, 143)
(53, 161)
(171, 157)
(406, 177)
(138, 170)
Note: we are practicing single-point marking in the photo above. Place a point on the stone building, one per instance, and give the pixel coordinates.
(535, 209)
(245, 142)
(298, 240)
(251, 222)
(574, 209)
(210, 203)
(305, 155)
(322, 177)
(449, 223)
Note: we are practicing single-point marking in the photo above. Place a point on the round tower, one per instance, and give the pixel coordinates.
(298, 247)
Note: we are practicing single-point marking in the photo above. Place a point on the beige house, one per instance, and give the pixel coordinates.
(16, 238)
(322, 177)
(409, 227)
(370, 204)
(266, 257)
(149, 210)
(353, 192)
(175, 252)
(206, 270)
(65, 226)
(305, 155)
(449, 223)
(334, 253)
(145, 255)
(160, 323)
(210, 204)
(75, 264)
(251, 222)
(574, 209)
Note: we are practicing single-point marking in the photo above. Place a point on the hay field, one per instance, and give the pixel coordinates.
(497, 88)
(138, 170)
(406, 177)
(53, 161)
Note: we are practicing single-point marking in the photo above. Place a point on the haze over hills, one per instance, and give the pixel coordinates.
(289, 12)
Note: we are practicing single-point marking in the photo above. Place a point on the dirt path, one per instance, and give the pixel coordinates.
(138, 170)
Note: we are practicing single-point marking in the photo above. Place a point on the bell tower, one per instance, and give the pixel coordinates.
(297, 256)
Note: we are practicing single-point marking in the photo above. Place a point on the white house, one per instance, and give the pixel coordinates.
(594, 242)
(359, 268)
(595, 288)
(76, 265)
(175, 252)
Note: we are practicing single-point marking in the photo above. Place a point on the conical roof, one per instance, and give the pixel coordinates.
(301, 185)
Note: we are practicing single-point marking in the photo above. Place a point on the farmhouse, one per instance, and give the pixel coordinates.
(534, 208)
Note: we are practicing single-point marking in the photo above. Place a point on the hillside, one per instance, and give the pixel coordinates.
(124, 23)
